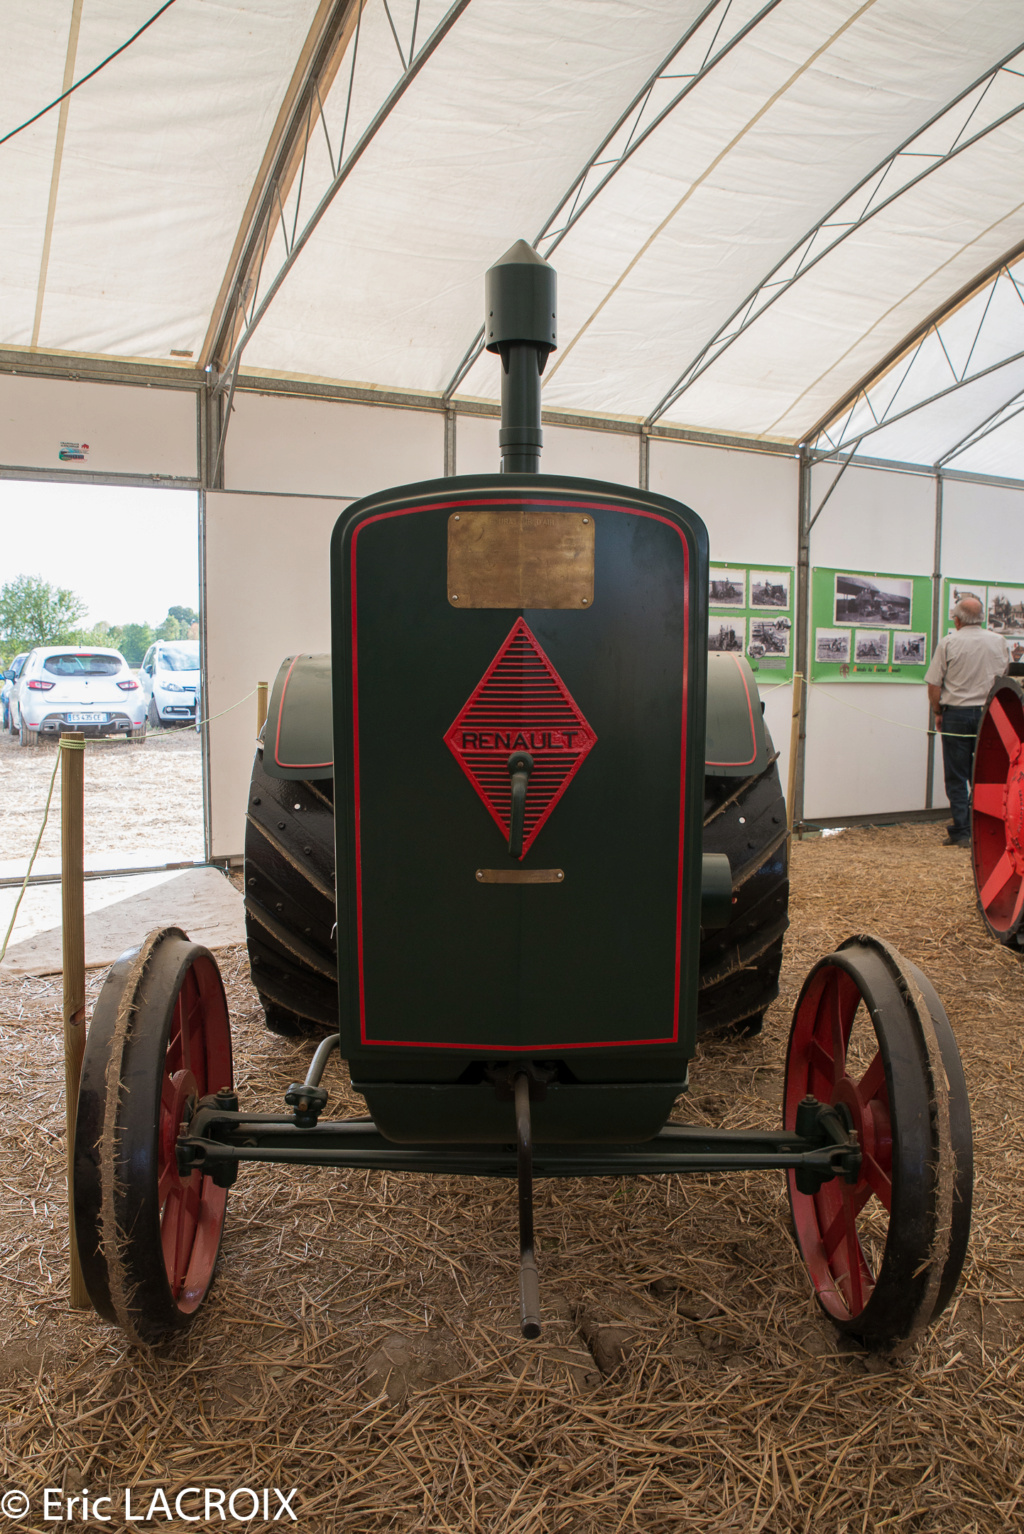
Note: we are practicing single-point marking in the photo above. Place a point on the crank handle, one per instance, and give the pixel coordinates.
(520, 765)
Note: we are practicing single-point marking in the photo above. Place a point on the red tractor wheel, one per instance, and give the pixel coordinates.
(997, 812)
(871, 1038)
(159, 1040)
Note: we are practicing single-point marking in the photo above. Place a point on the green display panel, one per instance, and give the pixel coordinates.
(1002, 606)
(750, 612)
(869, 626)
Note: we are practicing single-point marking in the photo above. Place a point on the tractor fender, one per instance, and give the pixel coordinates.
(736, 742)
(298, 740)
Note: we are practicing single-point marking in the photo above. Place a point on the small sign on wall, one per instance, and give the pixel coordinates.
(73, 452)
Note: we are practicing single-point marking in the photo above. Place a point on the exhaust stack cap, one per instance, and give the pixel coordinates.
(520, 300)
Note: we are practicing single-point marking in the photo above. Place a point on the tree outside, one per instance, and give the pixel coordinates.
(34, 612)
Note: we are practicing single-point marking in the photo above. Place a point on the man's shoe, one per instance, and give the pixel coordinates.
(956, 841)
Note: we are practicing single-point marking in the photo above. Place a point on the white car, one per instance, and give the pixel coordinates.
(170, 681)
(62, 687)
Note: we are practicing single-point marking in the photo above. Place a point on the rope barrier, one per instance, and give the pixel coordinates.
(72, 745)
(67, 744)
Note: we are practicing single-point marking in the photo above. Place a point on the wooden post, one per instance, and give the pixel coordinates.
(794, 745)
(261, 706)
(72, 850)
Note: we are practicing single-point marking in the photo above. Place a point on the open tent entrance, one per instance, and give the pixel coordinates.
(94, 568)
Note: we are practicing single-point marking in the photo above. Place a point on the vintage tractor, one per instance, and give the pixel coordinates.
(997, 811)
(558, 847)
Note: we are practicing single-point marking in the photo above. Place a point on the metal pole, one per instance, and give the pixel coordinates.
(929, 794)
(261, 706)
(794, 744)
(72, 849)
(803, 636)
(529, 1282)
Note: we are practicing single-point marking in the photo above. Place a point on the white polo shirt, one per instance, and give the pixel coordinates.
(965, 664)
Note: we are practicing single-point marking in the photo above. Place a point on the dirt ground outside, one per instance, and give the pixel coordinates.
(361, 1340)
(143, 801)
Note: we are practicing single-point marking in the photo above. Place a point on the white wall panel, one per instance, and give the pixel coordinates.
(747, 501)
(867, 749)
(608, 455)
(982, 531)
(326, 447)
(874, 520)
(867, 743)
(267, 596)
(128, 430)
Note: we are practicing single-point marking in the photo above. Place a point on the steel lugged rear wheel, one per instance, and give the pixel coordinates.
(159, 1040)
(740, 963)
(289, 901)
(870, 1037)
(997, 813)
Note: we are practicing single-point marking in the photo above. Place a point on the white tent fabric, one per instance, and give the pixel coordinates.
(808, 203)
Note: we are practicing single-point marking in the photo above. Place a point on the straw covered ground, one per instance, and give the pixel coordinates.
(142, 799)
(361, 1341)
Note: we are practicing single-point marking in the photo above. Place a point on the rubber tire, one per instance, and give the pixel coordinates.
(915, 1120)
(28, 737)
(152, 714)
(289, 901)
(138, 735)
(118, 1218)
(740, 963)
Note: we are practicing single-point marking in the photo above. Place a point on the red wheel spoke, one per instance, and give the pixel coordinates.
(838, 1036)
(1001, 719)
(873, 1080)
(822, 1059)
(167, 1183)
(997, 880)
(852, 1245)
(874, 1180)
(1018, 905)
(989, 799)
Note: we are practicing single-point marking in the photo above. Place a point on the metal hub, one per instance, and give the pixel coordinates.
(177, 1107)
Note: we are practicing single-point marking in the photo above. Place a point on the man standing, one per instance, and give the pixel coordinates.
(963, 668)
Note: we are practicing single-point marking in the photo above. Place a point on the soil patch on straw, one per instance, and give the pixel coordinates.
(361, 1341)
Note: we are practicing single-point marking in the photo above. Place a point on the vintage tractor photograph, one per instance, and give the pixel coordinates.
(511, 848)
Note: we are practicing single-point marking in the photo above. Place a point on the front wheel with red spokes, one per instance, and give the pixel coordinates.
(871, 1038)
(997, 812)
(159, 1040)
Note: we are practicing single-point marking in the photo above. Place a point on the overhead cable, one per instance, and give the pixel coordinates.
(56, 103)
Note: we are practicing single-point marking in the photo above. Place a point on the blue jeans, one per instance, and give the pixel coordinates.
(959, 738)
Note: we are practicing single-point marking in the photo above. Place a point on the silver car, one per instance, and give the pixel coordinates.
(62, 687)
(170, 680)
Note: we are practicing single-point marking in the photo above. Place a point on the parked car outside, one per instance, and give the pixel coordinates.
(65, 688)
(169, 679)
(10, 676)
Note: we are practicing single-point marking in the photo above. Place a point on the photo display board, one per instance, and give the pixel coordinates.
(1002, 606)
(867, 626)
(750, 613)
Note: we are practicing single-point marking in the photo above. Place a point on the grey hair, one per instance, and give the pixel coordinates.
(967, 616)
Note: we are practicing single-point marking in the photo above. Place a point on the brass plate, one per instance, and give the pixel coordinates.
(518, 558)
(519, 875)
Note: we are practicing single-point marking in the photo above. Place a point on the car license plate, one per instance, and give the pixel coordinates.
(87, 719)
